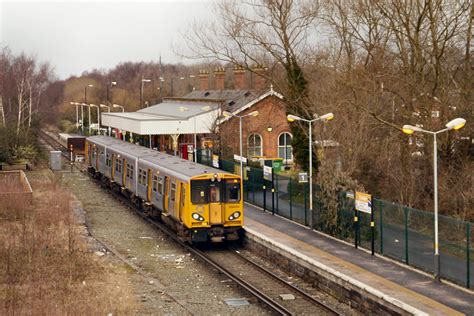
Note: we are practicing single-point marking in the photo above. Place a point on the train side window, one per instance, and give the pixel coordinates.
(173, 191)
(108, 160)
(118, 165)
(232, 190)
(160, 186)
(142, 177)
(200, 191)
(155, 183)
(130, 171)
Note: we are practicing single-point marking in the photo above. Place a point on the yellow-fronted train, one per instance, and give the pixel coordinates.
(200, 203)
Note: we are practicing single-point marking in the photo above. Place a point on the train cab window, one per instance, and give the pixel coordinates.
(232, 190)
(155, 183)
(215, 191)
(200, 191)
(173, 192)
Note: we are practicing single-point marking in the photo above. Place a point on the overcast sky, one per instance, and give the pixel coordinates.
(79, 36)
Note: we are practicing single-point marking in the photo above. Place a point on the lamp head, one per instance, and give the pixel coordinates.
(104, 106)
(254, 113)
(117, 106)
(93, 105)
(456, 124)
(409, 129)
(90, 85)
(327, 117)
(113, 83)
(292, 118)
(227, 114)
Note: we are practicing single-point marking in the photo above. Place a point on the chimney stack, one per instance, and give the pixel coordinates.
(259, 81)
(239, 78)
(219, 75)
(203, 80)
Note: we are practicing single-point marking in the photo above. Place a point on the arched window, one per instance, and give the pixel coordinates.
(255, 145)
(284, 147)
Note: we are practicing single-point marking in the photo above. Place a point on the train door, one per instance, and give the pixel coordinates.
(124, 172)
(182, 199)
(166, 194)
(112, 167)
(97, 151)
(215, 205)
(172, 199)
(150, 186)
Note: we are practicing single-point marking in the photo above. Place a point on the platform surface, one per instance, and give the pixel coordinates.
(398, 282)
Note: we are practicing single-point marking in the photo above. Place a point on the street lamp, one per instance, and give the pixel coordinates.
(110, 85)
(325, 117)
(408, 129)
(142, 83)
(85, 91)
(98, 118)
(108, 111)
(118, 106)
(229, 114)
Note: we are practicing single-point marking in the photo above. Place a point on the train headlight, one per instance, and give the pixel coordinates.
(234, 215)
(197, 217)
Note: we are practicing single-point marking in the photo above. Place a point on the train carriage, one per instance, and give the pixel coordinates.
(199, 202)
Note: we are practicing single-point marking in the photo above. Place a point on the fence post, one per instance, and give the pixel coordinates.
(406, 233)
(305, 206)
(264, 196)
(291, 198)
(356, 226)
(273, 197)
(372, 228)
(277, 189)
(468, 255)
(381, 226)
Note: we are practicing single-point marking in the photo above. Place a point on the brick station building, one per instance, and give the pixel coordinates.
(266, 135)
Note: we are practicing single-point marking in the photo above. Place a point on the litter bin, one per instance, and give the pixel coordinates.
(55, 160)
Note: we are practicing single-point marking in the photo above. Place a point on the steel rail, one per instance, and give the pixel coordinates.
(291, 286)
(53, 142)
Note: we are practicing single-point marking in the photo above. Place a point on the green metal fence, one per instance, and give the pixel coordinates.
(402, 233)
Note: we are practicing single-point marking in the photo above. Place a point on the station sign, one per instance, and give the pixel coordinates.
(350, 195)
(267, 173)
(303, 177)
(238, 158)
(363, 202)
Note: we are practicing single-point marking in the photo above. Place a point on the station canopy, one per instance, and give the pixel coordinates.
(172, 116)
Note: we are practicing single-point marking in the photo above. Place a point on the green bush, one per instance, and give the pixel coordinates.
(67, 126)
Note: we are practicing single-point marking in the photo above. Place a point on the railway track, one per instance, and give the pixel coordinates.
(54, 143)
(261, 283)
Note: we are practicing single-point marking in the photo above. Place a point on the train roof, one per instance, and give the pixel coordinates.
(175, 164)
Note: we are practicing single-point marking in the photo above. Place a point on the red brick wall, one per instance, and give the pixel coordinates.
(271, 114)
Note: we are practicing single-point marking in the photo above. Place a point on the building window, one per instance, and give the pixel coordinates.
(255, 145)
(284, 147)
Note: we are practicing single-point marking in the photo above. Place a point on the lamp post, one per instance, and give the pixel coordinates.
(118, 106)
(98, 117)
(229, 114)
(86, 104)
(408, 129)
(325, 117)
(108, 111)
(142, 83)
(110, 85)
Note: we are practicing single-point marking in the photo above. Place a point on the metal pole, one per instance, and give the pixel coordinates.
(468, 255)
(110, 130)
(77, 116)
(195, 140)
(241, 158)
(82, 119)
(108, 83)
(141, 94)
(98, 120)
(310, 222)
(435, 183)
(90, 119)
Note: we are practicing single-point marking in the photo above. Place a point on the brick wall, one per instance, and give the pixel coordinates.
(271, 114)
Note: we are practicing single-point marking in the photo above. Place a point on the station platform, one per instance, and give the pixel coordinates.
(411, 291)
